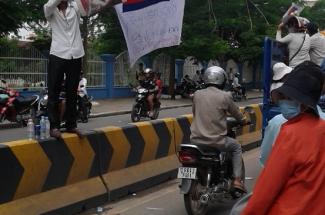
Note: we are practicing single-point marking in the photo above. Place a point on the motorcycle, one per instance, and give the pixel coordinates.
(141, 107)
(188, 87)
(206, 174)
(16, 108)
(237, 94)
(84, 104)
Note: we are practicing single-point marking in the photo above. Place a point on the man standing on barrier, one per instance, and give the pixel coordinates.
(65, 57)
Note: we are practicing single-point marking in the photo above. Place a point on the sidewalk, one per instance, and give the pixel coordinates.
(111, 107)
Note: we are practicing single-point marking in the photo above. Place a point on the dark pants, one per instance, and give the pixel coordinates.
(57, 68)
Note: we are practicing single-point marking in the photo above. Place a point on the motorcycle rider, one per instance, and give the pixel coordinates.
(159, 84)
(237, 86)
(149, 84)
(210, 108)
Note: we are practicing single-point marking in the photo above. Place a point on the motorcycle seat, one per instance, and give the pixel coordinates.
(204, 149)
(26, 101)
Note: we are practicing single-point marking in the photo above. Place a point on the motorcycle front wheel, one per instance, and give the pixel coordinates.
(193, 205)
(155, 113)
(135, 113)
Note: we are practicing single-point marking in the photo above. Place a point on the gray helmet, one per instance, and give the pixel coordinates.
(215, 75)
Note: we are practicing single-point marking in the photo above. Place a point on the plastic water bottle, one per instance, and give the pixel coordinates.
(30, 129)
(47, 127)
(43, 128)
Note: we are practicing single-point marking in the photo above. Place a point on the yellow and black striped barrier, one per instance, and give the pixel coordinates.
(68, 175)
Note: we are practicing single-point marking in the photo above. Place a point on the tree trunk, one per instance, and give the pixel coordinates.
(172, 78)
(84, 34)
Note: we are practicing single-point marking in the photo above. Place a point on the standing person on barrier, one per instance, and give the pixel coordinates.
(292, 181)
(210, 108)
(65, 58)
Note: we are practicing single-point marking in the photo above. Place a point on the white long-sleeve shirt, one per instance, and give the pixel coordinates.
(294, 41)
(66, 37)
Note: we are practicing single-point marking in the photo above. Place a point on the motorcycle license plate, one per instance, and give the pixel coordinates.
(186, 172)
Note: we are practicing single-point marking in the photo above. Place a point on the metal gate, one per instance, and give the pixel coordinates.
(23, 67)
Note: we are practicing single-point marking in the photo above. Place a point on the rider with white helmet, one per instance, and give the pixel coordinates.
(210, 108)
(150, 84)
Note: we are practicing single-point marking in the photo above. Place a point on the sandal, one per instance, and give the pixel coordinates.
(239, 186)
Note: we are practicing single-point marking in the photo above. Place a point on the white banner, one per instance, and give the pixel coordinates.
(150, 24)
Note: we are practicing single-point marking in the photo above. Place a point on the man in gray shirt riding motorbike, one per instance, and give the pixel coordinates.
(210, 108)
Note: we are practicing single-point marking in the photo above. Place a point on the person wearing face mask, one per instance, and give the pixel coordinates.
(297, 40)
(280, 72)
(292, 181)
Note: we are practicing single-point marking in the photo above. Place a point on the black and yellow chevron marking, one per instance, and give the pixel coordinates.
(31, 167)
(138, 143)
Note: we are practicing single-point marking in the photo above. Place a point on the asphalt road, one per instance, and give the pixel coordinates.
(165, 199)
(12, 134)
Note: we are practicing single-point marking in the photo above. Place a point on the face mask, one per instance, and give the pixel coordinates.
(289, 108)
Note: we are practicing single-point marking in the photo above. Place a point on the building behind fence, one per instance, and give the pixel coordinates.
(108, 76)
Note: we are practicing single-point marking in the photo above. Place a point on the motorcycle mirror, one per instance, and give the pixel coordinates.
(249, 109)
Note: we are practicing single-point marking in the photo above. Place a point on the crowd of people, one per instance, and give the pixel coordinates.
(304, 41)
(293, 146)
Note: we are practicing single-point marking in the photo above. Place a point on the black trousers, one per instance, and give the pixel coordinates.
(57, 68)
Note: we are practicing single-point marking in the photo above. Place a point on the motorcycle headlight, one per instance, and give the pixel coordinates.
(142, 90)
(140, 96)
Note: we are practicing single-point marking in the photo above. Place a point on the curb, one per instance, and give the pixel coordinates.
(105, 114)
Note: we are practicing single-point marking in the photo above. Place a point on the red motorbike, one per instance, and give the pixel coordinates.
(15, 107)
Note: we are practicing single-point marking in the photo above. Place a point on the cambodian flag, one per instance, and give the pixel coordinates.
(131, 5)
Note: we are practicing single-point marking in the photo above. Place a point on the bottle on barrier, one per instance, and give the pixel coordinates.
(30, 129)
(43, 128)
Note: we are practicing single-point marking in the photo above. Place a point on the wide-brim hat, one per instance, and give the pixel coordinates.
(280, 70)
(304, 84)
(275, 86)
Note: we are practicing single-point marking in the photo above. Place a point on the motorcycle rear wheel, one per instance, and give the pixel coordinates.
(192, 202)
(135, 117)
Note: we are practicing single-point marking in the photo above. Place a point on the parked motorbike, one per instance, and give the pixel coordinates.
(84, 104)
(206, 174)
(188, 87)
(141, 107)
(16, 108)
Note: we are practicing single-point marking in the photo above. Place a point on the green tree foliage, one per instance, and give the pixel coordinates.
(212, 29)
(15, 13)
(316, 14)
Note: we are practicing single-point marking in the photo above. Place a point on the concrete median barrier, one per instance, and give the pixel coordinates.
(69, 175)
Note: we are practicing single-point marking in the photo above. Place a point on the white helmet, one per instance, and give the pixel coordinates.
(147, 71)
(215, 75)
